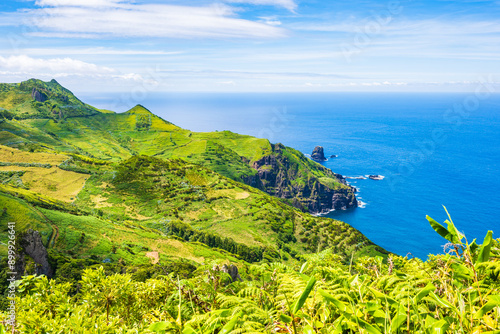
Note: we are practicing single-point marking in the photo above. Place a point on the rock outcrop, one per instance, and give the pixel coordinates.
(318, 154)
(31, 245)
(232, 270)
(38, 96)
(280, 175)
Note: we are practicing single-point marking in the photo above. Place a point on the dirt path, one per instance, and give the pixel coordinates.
(54, 236)
(55, 228)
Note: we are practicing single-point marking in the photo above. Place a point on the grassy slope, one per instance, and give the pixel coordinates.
(82, 236)
(116, 136)
(130, 202)
(182, 191)
(40, 173)
(149, 189)
(73, 229)
(62, 123)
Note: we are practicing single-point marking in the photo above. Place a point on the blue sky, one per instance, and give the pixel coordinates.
(252, 45)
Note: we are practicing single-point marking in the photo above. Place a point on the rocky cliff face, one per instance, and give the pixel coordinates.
(281, 174)
(232, 270)
(322, 199)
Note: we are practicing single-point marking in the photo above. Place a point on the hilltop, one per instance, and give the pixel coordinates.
(38, 99)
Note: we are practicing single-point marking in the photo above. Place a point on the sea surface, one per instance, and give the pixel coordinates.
(434, 149)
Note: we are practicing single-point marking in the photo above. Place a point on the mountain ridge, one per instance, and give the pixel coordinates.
(243, 158)
(125, 189)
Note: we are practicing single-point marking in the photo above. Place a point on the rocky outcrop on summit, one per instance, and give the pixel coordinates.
(38, 96)
(32, 246)
(47, 100)
(283, 174)
(318, 154)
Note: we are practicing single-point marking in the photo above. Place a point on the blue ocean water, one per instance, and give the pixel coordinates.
(434, 149)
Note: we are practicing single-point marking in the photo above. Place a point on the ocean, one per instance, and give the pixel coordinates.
(434, 149)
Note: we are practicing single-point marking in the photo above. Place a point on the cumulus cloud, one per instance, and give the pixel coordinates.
(105, 18)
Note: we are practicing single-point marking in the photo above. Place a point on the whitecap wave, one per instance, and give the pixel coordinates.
(356, 177)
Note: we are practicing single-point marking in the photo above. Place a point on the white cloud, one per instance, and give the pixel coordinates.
(261, 75)
(429, 27)
(27, 64)
(108, 18)
(59, 67)
(271, 20)
(464, 38)
(291, 5)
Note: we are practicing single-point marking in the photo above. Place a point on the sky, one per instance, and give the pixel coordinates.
(252, 45)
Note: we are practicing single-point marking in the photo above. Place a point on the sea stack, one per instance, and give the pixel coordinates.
(318, 154)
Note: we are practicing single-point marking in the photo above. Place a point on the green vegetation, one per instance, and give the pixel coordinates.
(144, 199)
(38, 99)
(144, 223)
(454, 293)
(101, 169)
(84, 130)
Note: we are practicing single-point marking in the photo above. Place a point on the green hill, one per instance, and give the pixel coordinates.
(143, 198)
(276, 169)
(453, 293)
(128, 189)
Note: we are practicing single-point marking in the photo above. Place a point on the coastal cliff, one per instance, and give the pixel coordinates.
(282, 174)
(273, 168)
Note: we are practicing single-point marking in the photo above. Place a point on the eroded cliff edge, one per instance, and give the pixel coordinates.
(286, 173)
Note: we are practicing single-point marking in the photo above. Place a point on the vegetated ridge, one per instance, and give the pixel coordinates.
(78, 128)
(128, 189)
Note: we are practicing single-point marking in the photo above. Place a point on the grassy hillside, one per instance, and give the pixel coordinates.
(135, 193)
(151, 228)
(278, 170)
(166, 199)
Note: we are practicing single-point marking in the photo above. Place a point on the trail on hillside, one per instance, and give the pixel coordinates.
(55, 228)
